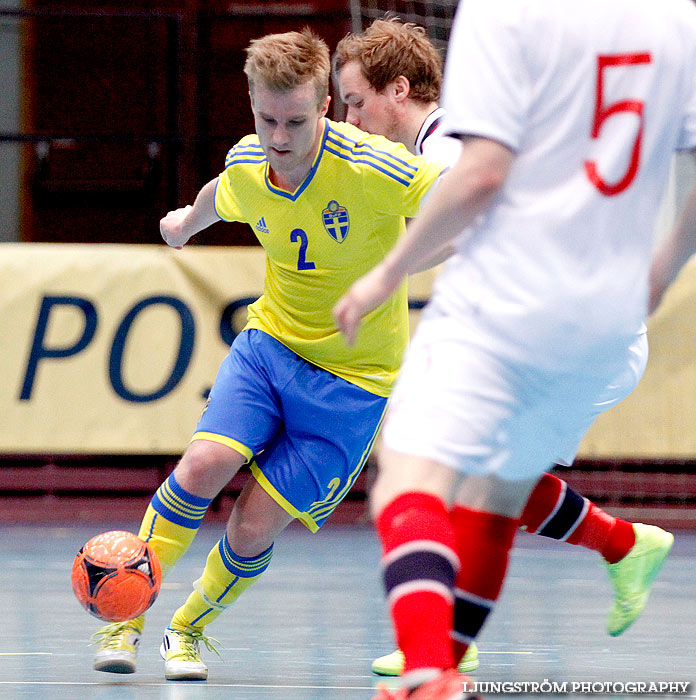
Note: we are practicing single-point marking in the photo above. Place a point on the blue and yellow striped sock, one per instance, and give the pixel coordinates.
(171, 521)
(225, 577)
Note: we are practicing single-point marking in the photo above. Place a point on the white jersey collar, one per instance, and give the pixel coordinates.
(431, 123)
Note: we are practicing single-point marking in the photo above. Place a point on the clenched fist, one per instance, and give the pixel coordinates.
(173, 227)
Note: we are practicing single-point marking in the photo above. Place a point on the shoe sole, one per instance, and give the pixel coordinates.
(186, 676)
(114, 666)
(468, 667)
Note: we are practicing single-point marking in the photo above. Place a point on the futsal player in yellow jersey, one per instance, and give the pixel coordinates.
(292, 399)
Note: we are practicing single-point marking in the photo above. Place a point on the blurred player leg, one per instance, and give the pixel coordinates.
(416, 535)
(485, 519)
(419, 567)
(483, 543)
(633, 552)
(554, 510)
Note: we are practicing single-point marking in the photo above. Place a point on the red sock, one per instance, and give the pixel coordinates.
(419, 565)
(554, 510)
(610, 536)
(544, 501)
(483, 542)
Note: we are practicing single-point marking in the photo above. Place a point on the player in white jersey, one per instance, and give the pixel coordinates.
(390, 77)
(551, 205)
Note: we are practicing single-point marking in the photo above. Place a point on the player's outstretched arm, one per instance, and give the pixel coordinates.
(179, 225)
(673, 252)
(464, 192)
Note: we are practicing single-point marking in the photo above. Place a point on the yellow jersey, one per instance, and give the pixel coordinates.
(338, 224)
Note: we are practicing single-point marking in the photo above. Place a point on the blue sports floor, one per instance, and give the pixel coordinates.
(312, 625)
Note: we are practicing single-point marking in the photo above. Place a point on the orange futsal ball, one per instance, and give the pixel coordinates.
(116, 576)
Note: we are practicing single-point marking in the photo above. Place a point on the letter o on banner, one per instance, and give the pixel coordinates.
(186, 343)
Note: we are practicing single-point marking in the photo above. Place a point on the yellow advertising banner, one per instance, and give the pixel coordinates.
(111, 349)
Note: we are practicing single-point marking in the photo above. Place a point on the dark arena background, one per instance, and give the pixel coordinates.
(111, 115)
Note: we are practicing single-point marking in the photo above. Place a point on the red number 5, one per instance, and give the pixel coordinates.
(602, 113)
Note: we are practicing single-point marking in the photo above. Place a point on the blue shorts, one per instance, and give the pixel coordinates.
(305, 432)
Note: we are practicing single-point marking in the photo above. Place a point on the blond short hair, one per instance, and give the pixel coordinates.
(389, 48)
(285, 61)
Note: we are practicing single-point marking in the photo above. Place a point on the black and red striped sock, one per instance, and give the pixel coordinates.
(419, 565)
(483, 542)
(554, 510)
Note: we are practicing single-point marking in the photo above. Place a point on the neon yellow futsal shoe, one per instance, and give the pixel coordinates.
(393, 664)
(182, 660)
(632, 577)
(118, 647)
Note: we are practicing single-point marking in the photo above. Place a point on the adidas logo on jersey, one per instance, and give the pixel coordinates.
(261, 225)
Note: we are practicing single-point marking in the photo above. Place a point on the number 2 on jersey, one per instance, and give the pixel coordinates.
(603, 112)
(302, 263)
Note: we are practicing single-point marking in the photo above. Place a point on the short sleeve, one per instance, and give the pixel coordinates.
(226, 204)
(486, 86)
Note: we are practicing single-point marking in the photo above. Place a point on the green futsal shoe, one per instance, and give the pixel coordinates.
(117, 646)
(632, 576)
(393, 664)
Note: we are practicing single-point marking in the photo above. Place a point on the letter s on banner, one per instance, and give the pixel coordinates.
(186, 343)
(227, 330)
(39, 351)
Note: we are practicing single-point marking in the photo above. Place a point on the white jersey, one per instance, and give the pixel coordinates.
(432, 143)
(593, 98)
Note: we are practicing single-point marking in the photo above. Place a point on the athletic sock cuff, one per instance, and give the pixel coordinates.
(244, 567)
(177, 505)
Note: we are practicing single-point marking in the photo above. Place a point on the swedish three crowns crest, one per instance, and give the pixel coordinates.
(336, 221)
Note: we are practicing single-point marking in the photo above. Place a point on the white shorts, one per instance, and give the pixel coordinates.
(458, 404)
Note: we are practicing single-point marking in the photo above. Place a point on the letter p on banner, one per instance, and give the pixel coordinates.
(39, 351)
